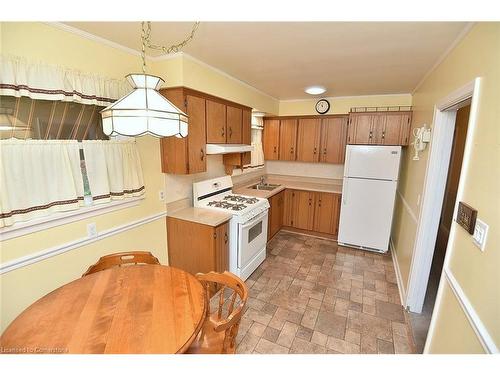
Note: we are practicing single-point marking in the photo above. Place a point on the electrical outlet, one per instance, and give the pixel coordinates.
(161, 195)
(480, 234)
(91, 230)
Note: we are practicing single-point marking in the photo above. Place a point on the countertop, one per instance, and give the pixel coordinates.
(299, 183)
(201, 215)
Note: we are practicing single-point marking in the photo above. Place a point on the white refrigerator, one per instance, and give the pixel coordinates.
(368, 196)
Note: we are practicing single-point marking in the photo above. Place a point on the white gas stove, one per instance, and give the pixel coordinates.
(248, 225)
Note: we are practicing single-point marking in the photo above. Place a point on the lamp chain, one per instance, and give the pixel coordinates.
(146, 42)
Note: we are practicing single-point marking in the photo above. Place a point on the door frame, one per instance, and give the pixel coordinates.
(434, 188)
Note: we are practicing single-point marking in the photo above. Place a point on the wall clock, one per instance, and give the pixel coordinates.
(322, 106)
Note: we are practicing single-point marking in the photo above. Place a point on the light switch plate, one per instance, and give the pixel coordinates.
(91, 230)
(480, 234)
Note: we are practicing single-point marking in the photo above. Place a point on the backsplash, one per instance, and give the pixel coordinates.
(294, 168)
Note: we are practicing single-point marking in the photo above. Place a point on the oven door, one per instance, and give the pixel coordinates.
(252, 238)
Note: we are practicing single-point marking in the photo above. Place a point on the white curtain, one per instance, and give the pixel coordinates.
(114, 169)
(38, 80)
(37, 178)
(258, 152)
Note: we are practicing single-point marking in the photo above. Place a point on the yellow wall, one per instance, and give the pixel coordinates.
(341, 104)
(477, 55)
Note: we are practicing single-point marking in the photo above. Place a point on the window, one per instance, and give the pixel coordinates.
(26, 118)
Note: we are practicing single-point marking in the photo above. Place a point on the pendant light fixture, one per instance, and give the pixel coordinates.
(144, 110)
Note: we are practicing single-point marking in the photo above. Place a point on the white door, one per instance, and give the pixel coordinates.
(378, 162)
(366, 213)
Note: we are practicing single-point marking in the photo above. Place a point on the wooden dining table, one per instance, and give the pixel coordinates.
(134, 309)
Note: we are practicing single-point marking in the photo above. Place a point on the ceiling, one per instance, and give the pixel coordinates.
(282, 58)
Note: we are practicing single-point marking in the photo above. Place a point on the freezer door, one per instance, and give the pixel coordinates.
(379, 162)
(366, 213)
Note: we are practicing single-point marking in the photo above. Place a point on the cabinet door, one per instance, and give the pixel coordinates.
(378, 129)
(392, 130)
(197, 134)
(288, 207)
(271, 139)
(308, 137)
(303, 217)
(222, 248)
(405, 129)
(326, 215)
(233, 124)
(288, 139)
(216, 122)
(275, 214)
(360, 129)
(246, 127)
(333, 140)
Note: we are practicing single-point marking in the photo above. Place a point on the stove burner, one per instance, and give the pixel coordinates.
(227, 205)
(240, 199)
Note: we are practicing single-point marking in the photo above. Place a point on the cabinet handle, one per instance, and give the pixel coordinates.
(202, 154)
(315, 151)
(383, 134)
(324, 151)
(291, 150)
(310, 201)
(371, 134)
(230, 132)
(319, 203)
(225, 237)
(222, 132)
(274, 149)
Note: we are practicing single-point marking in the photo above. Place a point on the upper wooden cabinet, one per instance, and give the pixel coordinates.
(271, 139)
(308, 140)
(333, 140)
(211, 120)
(186, 155)
(246, 126)
(216, 122)
(379, 128)
(233, 124)
(288, 139)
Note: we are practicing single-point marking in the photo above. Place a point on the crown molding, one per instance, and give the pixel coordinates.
(445, 54)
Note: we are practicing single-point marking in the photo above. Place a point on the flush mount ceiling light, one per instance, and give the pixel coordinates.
(144, 110)
(315, 90)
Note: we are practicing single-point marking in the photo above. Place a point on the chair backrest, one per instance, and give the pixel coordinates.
(228, 310)
(122, 259)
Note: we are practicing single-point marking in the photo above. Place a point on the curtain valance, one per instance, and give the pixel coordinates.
(38, 80)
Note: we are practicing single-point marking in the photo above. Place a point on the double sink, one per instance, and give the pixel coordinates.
(265, 186)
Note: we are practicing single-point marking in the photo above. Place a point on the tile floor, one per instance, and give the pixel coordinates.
(312, 296)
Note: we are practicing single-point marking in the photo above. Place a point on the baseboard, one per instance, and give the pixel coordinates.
(309, 233)
(399, 278)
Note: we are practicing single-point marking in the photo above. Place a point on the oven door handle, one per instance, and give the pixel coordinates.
(254, 220)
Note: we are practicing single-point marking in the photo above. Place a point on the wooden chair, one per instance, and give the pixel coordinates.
(220, 328)
(122, 259)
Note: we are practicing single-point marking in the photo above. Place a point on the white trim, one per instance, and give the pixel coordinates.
(62, 218)
(407, 207)
(434, 187)
(399, 278)
(94, 38)
(59, 249)
(443, 56)
(350, 97)
(476, 323)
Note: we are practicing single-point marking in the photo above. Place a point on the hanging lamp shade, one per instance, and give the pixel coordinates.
(144, 111)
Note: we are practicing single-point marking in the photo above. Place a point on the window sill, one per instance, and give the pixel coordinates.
(61, 218)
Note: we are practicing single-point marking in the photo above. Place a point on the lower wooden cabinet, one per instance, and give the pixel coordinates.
(312, 211)
(195, 247)
(275, 222)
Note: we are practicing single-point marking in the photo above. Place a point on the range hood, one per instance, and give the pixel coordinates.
(223, 148)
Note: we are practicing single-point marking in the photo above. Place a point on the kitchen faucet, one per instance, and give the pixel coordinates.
(262, 180)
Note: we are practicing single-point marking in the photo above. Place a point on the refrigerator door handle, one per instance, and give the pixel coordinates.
(344, 191)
